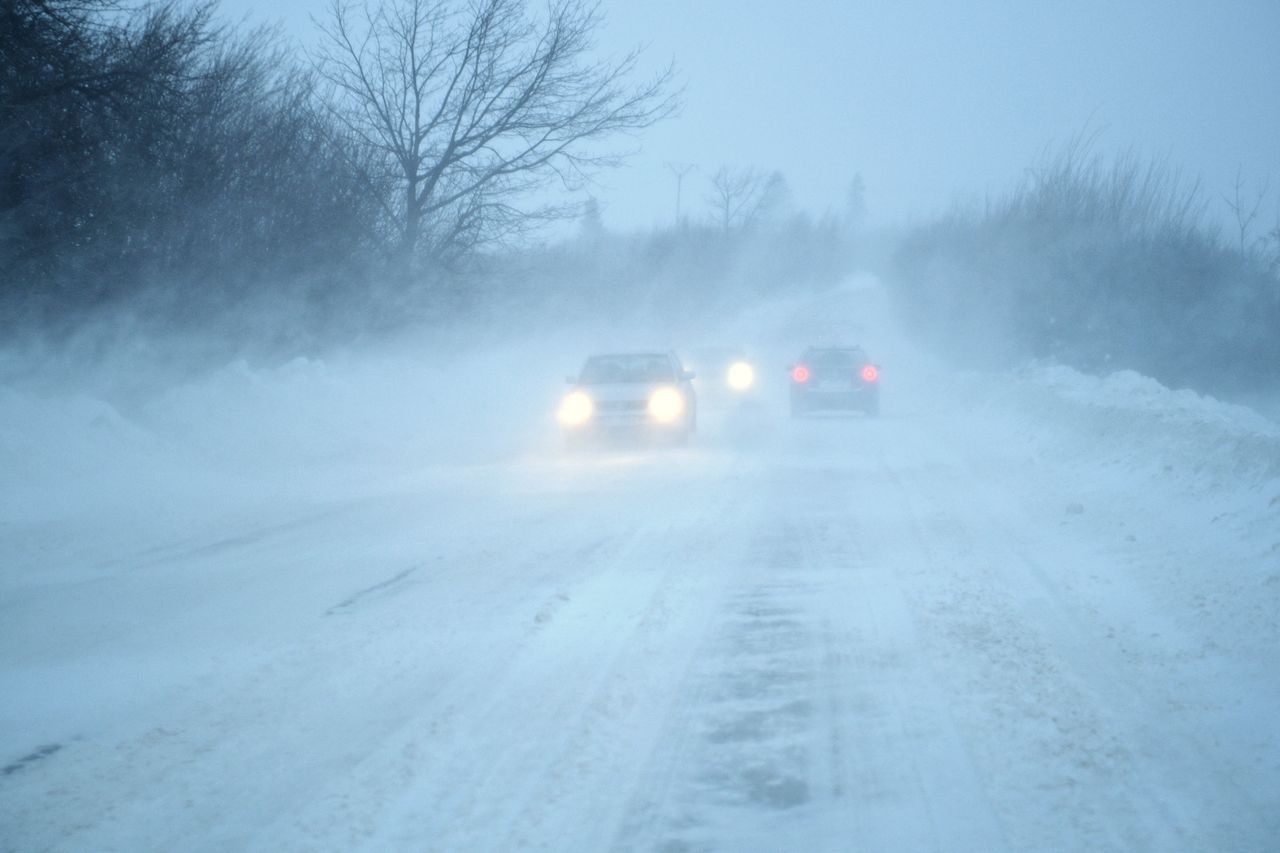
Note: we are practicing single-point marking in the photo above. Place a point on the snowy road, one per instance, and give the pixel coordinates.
(970, 624)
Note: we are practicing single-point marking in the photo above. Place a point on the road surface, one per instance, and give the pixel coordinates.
(974, 623)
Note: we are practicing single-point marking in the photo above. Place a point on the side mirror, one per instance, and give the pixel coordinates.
(687, 375)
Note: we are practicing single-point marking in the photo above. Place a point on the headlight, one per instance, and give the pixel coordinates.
(741, 376)
(575, 409)
(665, 405)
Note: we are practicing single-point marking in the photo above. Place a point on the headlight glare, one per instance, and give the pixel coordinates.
(741, 376)
(665, 405)
(575, 409)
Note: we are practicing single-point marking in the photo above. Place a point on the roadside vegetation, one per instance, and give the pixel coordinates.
(156, 159)
(1101, 263)
(180, 189)
(161, 172)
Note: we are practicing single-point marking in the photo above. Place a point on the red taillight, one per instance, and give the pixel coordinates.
(869, 373)
(800, 374)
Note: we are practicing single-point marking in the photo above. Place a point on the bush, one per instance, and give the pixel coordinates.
(1100, 264)
(152, 157)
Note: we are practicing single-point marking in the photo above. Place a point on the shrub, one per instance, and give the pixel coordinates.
(1100, 263)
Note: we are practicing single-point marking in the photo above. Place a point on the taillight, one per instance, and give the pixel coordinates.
(800, 374)
(869, 373)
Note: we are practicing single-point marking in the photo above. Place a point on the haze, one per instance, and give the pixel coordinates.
(385, 466)
(931, 100)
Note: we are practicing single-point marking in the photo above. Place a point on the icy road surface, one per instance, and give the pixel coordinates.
(1033, 612)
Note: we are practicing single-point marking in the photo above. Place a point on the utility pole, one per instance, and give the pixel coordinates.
(680, 170)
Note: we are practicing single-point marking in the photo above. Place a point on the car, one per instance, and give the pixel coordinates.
(630, 395)
(726, 376)
(834, 378)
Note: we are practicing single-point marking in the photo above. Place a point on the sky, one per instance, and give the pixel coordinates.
(931, 101)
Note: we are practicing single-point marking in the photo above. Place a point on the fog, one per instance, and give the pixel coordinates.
(299, 549)
(930, 100)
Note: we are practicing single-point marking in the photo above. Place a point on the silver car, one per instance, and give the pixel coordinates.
(630, 395)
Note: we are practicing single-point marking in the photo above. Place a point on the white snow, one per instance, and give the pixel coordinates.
(368, 603)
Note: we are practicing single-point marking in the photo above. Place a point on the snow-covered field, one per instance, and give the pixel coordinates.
(368, 603)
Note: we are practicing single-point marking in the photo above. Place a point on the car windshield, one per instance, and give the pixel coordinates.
(601, 369)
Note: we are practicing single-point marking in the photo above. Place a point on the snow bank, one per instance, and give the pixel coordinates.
(1189, 481)
(1126, 418)
(86, 474)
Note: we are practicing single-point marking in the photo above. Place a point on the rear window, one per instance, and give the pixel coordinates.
(603, 369)
(835, 359)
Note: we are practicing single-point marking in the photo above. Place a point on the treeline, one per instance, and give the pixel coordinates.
(1102, 264)
(159, 170)
(155, 153)
(162, 174)
(692, 272)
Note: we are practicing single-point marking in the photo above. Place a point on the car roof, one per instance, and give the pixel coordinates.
(636, 354)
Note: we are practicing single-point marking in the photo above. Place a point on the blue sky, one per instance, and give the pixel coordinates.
(929, 100)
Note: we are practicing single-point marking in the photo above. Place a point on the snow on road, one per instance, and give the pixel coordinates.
(1031, 611)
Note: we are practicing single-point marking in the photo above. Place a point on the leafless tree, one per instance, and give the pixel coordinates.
(734, 193)
(742, 197)
(774, 200)
(1273, 241)
(1244, 210)
(473, 104)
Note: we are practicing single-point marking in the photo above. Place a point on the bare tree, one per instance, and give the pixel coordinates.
(1273, 241)
(744, 197)
(735, 194)
(1245, 211)
(473, 104)
(773, 201)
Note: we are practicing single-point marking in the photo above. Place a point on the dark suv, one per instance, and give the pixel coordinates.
(835, 378)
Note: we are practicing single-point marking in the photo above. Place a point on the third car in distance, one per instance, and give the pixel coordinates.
(834, 378)
(726, 376)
